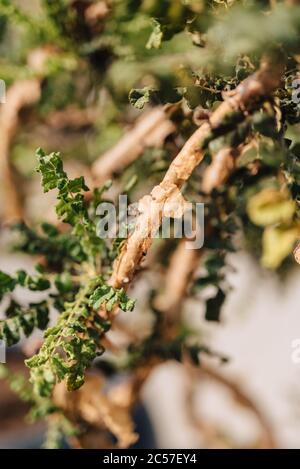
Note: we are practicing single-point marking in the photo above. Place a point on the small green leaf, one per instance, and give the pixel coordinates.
(51, 169)
(139, 97)
(7, 284)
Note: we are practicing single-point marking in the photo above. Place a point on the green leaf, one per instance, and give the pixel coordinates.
(110, 297)
(37, 283)
(33, 361)
(265, 124)
(63, 282)
(72, 207)
(139, 97)
(271, 153)
(60, 368)
(248, 156)
(51, 169)
(22, 320)
(77, 185)
(42, 314)
(7, 284)
(58, 248)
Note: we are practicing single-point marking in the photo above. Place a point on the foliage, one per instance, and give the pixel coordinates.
(72, 344)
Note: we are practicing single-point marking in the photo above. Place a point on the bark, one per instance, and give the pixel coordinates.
(151, 206)
(182, 265)
(217, 173)
(20, 94)
(297, 253)
(150, 130)
(268, 439)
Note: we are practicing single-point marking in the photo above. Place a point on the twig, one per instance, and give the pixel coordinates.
(258, 85)
(182, 265)
(72, 117)
(268, 438)
(96, 12)
(151, 129)
(20, 94)
(184, 261)
(217, 173)
(101, 410)
(210, 437)
(297, 253)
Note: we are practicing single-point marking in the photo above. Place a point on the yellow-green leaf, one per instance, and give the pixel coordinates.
(270, 206)
(278, 243)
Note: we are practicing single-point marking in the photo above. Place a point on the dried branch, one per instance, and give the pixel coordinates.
(208, 432)
(297, 253)
(182, 265)
(150, 130)
(292, 2)
(103, 411)
(217, 173)
(96, 12)
(184, 261)
(241, 397)
(258, 85)
(20, 94)
(72, 117)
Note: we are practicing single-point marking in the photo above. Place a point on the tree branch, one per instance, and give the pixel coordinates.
(182, 265)
(151, 206)
(217, 173)
(241, 397)
(20, 94)
(150, 130)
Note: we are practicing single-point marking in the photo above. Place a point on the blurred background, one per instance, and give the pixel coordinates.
(260, 322)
